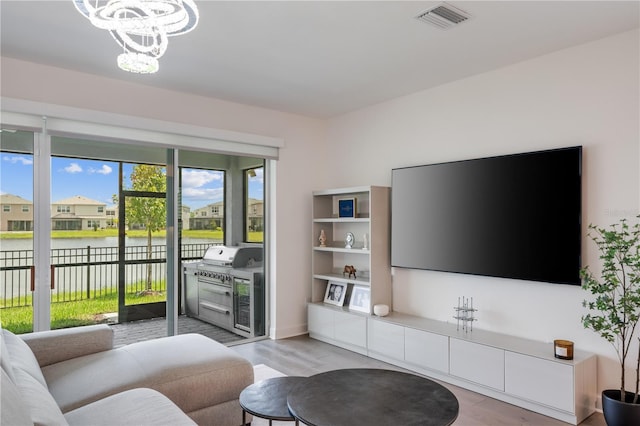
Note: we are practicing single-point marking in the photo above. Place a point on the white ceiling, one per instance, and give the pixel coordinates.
(317, 58)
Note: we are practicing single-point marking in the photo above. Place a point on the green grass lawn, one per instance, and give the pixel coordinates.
(71, 314)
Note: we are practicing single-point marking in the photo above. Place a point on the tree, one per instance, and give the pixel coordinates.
(149, 212)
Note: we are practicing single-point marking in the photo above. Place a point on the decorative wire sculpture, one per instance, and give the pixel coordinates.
(465, 314)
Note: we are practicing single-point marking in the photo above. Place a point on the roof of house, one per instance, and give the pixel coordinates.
(13, 199)
(80, 200)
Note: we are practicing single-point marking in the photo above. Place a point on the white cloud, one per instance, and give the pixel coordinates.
(211, 195)
(25, 161)
(104, 170)
(73, 168)
(198, 178)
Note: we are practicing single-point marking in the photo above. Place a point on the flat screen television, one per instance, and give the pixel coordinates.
(512, 216)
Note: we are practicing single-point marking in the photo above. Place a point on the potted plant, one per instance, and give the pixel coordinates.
(614, 313)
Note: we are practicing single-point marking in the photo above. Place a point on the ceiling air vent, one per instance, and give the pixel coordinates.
(444, 16)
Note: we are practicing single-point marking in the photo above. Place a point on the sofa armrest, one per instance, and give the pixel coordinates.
(54, 346)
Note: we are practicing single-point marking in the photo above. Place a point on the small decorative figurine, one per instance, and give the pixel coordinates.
(322, 238)
(349, 269)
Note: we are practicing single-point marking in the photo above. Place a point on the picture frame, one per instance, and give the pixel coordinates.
(335, 293)
(347, 207)
(360, 299)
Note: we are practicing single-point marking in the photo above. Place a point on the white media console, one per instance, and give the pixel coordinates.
(519, 371)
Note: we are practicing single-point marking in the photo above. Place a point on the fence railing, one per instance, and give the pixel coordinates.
(87, 272)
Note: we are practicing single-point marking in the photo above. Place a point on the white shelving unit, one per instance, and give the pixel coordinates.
(373, 270)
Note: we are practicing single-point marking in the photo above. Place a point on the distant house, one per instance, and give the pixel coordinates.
(112, 216)
(255, 215)
(16, 213)
(78, 213)
(210, 216)
(186, 214)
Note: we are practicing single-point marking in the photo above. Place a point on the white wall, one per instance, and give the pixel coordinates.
(298, 171)
(587, 95)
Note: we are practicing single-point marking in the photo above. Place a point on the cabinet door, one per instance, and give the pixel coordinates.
(351, 329)
(386, 339)
(539, 380)
(477, 363)
(320, 321)
(427, 350)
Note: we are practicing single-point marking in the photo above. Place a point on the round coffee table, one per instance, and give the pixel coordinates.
(268, 398)
(372, 397)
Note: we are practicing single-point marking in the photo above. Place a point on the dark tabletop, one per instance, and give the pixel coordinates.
(268, 398)
(372, 397)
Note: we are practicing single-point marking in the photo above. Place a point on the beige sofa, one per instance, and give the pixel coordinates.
(75, 376)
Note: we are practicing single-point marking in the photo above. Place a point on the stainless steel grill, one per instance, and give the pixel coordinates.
(226, 288)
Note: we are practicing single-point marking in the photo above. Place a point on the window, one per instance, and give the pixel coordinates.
(100, 209)
(254, 205)
(63, 209)
(25, 209)
(6, 208)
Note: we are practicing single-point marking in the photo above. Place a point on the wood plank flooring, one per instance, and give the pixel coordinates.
(303, 356)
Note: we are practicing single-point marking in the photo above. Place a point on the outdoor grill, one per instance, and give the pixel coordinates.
(226, 289)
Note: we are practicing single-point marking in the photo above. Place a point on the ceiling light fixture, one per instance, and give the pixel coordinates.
(141, 27)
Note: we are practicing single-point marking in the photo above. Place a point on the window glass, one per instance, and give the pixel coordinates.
(254, 205)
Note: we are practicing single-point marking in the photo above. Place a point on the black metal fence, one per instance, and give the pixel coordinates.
(87, 272)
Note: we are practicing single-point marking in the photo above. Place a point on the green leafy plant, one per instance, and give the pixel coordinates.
(615, 311)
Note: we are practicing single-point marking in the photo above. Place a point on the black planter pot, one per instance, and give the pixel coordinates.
(618, 413)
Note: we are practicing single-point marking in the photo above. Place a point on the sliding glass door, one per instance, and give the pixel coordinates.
(17, 269)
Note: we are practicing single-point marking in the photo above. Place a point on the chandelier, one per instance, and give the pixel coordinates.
(141, 27)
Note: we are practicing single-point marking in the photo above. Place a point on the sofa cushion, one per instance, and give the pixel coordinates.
(52, 346)
(13, 410)
(21, 357)
(193, 371)
(134, 407)
(5, 360)
(42, 407)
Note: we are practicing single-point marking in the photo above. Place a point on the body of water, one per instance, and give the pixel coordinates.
(65, 243)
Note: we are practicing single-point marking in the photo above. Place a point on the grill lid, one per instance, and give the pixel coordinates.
(235, 257)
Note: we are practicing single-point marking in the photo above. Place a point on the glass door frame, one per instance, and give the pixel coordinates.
(73, 123)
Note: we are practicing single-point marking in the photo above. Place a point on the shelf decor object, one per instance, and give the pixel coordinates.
(347, 207)
(349, 240)
(563, 349)
(360, 299)
(335, 293)
(465, 314)
(322, 238)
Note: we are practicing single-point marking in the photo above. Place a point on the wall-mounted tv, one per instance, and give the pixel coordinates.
(512, 216)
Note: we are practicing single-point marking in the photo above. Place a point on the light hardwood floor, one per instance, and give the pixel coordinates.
(303, 356)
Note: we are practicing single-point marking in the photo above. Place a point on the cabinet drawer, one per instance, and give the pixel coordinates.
(477, 363)
(216, 314)
(351, 329)
(216, 294)
(539, 380)
(320, 321)
(427, 350)
(386, 339)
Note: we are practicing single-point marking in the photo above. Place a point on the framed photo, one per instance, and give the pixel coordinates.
(360, 299)
(347, 207)
(335, 293)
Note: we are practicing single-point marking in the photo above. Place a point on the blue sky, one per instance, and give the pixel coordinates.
(98, 180)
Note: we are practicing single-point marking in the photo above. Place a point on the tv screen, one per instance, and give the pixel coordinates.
(514, 216)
